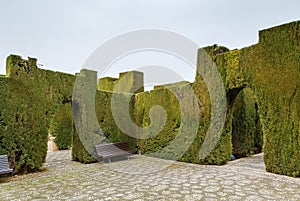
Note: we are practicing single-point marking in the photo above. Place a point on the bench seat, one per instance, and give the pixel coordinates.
(4, 167)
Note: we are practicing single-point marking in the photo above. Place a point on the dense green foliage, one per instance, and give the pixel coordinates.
(128, 82)
(242, 131)
(93, 117)
(262, 93)
(105, 128)
(61, 126)
(86, 132)
(29, 97)
(246, 128)
(107, 83)
(273, 70)
(228, 66)
(215, 50)
(23, 128)
(106, 120)
(158, 136)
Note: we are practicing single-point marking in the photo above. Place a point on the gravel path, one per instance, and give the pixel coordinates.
(146, 178)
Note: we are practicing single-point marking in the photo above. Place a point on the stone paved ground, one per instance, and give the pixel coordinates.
(145, 178)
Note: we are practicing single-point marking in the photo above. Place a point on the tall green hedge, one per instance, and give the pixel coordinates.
(29, 96)
(158, 136)
(273, 70)
(221, 152)
(106, 129)
(106, 120)
(228, 67)
(86, 128)
(23, 129)
(102, 127)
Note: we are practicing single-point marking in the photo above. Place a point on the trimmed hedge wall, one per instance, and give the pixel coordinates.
(108, 129)
(29, 96)
(107, 83)
(130, 82)
(23, 129)
(157, 137)
(86, 132)
(92, 108)
(105, 118)
(240, 68)
(273, 70)
(228, 67)
(242, 123)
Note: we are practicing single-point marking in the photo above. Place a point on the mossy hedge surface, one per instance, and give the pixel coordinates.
(242, 121)
(227, 63)
(106, 120)
(270, 69)
(273, 70)
(128, 82)
(158, 135)
(86, 132)
(107, 83)
(94, 119)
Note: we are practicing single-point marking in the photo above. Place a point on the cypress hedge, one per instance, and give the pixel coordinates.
(29, 96)
(23, 116)
(273, 70)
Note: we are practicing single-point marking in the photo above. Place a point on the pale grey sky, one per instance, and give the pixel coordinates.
(63, 33)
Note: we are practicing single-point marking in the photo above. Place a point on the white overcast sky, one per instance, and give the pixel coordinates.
(63, 33)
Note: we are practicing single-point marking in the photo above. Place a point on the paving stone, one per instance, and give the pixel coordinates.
(147, 178)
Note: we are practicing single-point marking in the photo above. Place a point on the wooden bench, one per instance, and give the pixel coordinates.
(113, 150)
(4, 167)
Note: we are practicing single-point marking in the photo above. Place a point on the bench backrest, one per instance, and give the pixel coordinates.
(109, 148)
(4, 162)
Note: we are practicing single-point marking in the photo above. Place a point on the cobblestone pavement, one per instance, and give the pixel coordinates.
(145, 178)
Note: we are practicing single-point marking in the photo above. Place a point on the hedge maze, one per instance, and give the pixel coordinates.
(262, 85)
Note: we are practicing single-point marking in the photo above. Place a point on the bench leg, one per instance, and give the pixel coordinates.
(109, 160)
